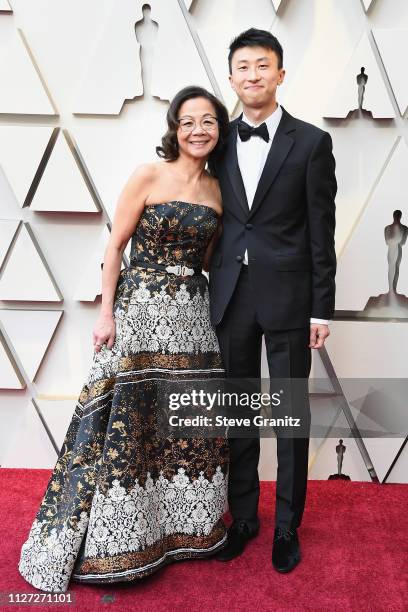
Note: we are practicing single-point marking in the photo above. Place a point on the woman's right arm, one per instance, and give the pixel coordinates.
(211, 247)
(129, 207)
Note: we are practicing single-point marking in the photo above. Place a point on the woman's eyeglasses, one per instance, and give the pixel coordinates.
(208, 124)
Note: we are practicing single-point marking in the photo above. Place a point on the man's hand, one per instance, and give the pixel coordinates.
(318, 334)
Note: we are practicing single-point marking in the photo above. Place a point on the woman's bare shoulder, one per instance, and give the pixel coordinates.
(148, 170)
(145, 176)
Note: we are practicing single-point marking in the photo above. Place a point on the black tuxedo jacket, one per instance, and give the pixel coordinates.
(289, 230)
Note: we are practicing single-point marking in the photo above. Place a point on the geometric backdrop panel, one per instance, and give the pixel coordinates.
(112, 152)
(57, 413)
(276, 4)
(393, 47)
(30, 332)
(362, 267)
(10, 375)
(345, 97)
(62, 187)
(8, 228)
(112, 72)
(5, 7)
(118, 46)
(22, 149)
(367, 4)
(382, 452)
(174, 47)
(379, 349)
(26, 275)
(399, 472)
(90, 276)
(324, 459)
(25, 441)
(22, 91)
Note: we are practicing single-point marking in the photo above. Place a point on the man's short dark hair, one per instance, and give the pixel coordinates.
(256, 38)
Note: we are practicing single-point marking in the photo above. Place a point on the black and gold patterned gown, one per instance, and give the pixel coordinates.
(123, 501)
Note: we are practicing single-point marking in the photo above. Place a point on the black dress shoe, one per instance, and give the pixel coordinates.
(237, 536)
(285, 552)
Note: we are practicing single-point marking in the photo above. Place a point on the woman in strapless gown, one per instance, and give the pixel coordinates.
(123, 500)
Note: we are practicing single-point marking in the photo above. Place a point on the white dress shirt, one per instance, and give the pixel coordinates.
(252, 154)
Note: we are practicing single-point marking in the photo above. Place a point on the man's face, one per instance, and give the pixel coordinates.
(255, 75)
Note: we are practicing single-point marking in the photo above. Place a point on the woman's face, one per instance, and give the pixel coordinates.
(198, 131)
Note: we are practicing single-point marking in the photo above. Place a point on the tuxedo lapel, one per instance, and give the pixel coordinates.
(281, 145)
(232, 167)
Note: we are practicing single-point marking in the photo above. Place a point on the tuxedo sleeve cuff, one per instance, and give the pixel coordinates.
(322, 321)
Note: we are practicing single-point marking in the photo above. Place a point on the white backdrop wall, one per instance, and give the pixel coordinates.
(84, 88)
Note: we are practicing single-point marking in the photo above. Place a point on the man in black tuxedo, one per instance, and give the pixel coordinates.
(272, 274)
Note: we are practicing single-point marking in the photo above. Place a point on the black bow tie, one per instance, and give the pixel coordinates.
(245, 131)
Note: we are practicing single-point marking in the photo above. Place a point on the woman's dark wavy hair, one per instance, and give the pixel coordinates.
(169, 149)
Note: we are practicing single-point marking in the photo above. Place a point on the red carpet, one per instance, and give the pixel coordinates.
(354, 539)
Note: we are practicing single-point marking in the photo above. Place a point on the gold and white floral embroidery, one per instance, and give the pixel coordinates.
(122, 521)
(158, 323)
(47, 562)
